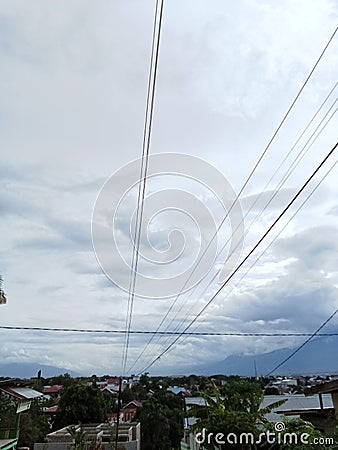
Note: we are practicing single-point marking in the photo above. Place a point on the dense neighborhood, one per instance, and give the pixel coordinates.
(166, 413)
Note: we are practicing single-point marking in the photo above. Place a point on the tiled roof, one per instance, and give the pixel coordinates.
(52, 389)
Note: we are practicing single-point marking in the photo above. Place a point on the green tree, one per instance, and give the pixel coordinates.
(155, 427)
(235, 411)
(80, 403)
(79, 438)
(161, 420)
(7, 412)
(34, 426)
(300, 427)
(65, 380)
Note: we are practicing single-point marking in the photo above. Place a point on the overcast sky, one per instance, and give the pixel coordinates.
(73, 88)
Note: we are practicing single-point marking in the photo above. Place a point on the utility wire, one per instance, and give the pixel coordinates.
(249, 254)
(316, 333)
(292, 167)
(276, 237)
(175, 333)
(290, 170)
(144, 170)
(279, 233)
(245, 184)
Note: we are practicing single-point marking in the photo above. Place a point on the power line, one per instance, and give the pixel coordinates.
(282, 181)
(250, 253)
(172, 333)
(242, 189)
(144, 170)
(316, 333)
(298, 209)
(276, 237)
(280, 232)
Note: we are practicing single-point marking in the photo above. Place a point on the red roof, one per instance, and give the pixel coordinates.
(50, 410)
(55, 389)
(132, 405)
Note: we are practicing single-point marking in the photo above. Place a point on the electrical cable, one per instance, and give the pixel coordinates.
(254, 169)
(250, 252)
(144, 170)
(304, 343)
(290, 170)
(142, 332)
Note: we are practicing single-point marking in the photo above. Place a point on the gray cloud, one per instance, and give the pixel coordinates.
(72, 113)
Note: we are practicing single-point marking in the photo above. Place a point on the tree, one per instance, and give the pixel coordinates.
(234, 411)
(300, 427)
(155, 427)
(7, 412)
(65, 380)
(161, 420)
(79, 438)
(80, 403)
(34, 426)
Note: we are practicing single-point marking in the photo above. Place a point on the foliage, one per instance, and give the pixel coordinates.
(65, 380)
(34, 426)
(300, 427)
(155, 427)
(80, 403)
(7, 412)
(234, 411)
(79, 438)
(161, 420)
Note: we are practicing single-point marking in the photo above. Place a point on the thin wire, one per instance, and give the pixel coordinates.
(247, 181)
(144, 166)
(292, 167)
(250, 253)
(304, 343)
(276, 237)
(141, 332)
(279, 233)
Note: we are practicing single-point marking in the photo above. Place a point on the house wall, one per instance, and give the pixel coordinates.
(132, 445)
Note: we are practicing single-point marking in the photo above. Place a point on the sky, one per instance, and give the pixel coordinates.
(73, 93)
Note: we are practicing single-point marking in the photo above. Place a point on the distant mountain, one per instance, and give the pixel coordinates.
(28, 370)
(318, 356)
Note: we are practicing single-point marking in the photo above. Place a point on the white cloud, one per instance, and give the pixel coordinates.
(74, 83)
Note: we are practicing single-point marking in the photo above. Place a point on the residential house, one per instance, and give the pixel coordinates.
(21, 396)
(179, 391)
(324, 416)
(128, 412)
(53, 391)
(96, 435)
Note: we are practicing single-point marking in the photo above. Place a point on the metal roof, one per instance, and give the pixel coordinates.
(297, 402)
(23, 393)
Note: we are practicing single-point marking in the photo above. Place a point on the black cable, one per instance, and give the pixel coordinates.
(144, 170)
(278, 234)
(245, 184)
(140, 332)
(316, 333)
(292, 167)
(250, 253)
